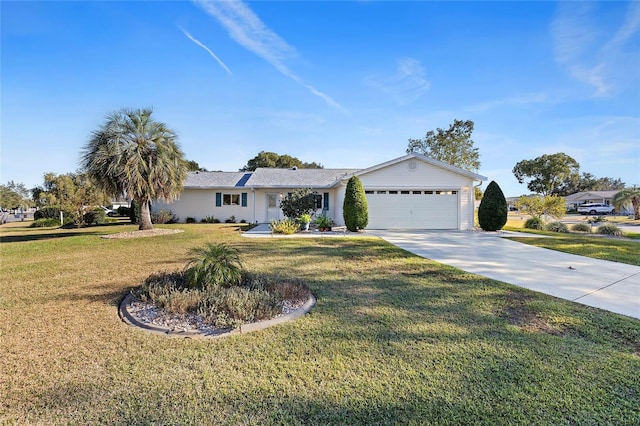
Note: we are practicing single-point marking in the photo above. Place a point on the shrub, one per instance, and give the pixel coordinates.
(581, 227)
(169, 291)
(47, 213)
(284, 226)
(124, 211)
(163, 216)
(534, 223)
(44, 223)
(214, 265)
(556, 227)
(610, 229)
(355, 207)
(493, 209)
(299, 202)
(94, 217)
(232, 219)
(134, 212)
(209, 219)
(229, 307)
(191, 220)
(324, 222)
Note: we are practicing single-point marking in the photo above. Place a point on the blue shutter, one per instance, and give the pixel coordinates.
(218, 199)
(244, 199)
(326, 201)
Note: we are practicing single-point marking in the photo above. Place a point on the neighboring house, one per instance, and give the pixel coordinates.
(410, 192)
(574, 201)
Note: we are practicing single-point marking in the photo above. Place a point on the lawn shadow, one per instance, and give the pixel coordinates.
(39, 237)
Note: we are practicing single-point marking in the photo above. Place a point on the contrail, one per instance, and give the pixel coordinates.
(246, 28)
(196, 41)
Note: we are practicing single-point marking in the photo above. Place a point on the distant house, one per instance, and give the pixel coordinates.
(409, 192)
(573, 201)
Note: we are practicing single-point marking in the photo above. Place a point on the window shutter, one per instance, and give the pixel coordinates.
(244, 199)
(218, 199)
(326, 201)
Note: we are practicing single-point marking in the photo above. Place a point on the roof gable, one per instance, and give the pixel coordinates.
(424, 159)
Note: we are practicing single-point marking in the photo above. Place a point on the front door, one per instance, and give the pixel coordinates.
(273, 210)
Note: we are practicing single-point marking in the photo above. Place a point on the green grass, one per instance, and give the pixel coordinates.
(393, 339)
(623, 251)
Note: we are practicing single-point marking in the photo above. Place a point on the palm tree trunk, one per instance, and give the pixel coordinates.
(145, 216)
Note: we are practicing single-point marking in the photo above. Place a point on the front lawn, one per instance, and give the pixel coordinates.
(393, 339)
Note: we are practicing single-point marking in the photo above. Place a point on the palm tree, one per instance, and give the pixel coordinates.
(626, 196)
(138, 156)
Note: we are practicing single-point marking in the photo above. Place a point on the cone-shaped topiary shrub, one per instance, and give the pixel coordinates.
(355, 207)
(492, 213)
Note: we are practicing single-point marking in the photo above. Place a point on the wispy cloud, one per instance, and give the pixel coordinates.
(199, 43)
(586, 49)
(246, 28)
(405, 85)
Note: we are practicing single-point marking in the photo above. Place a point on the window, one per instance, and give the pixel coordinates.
(393, 192)
(416, 192)
(368, 192)
(405, 192)
(231, 199)
(381, 192)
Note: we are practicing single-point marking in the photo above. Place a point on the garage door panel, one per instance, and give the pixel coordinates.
(413, 211)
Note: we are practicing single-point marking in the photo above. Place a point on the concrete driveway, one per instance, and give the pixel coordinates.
(607, 285)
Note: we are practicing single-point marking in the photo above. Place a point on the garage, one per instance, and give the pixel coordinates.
(413, 209)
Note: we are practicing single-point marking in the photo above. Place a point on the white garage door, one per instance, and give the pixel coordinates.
(424, 209)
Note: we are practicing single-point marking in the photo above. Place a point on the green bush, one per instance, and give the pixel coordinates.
(493, 209)
(581, 227)
(47, 213)
(556, 227)
(124, 211)
(190, 220)
(610, 229)
(299, 202)
(44, 223)
(284, 226)
(134, 212)
(232, 219)
(355, 207)
(214, 265)
(163, 216)
(534, 223)
(95, 217)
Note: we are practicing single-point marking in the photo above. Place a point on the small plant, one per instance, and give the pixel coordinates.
(304, 218)
(209, 219)
(596, 219)
(214, 265)
(44, 223)
(163, 216)
(230, 307)
(232, 219)
(581, 227)
(190, 220)
(284, 226)
(534, 223)
(556, 227)
(323, 222)
(610, 229)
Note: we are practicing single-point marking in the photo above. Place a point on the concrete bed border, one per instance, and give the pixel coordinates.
(131, 320)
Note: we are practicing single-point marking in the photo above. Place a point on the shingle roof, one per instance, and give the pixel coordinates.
(292, 178)
(216, 179)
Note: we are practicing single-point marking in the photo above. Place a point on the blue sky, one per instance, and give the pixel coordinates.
(342, 83)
